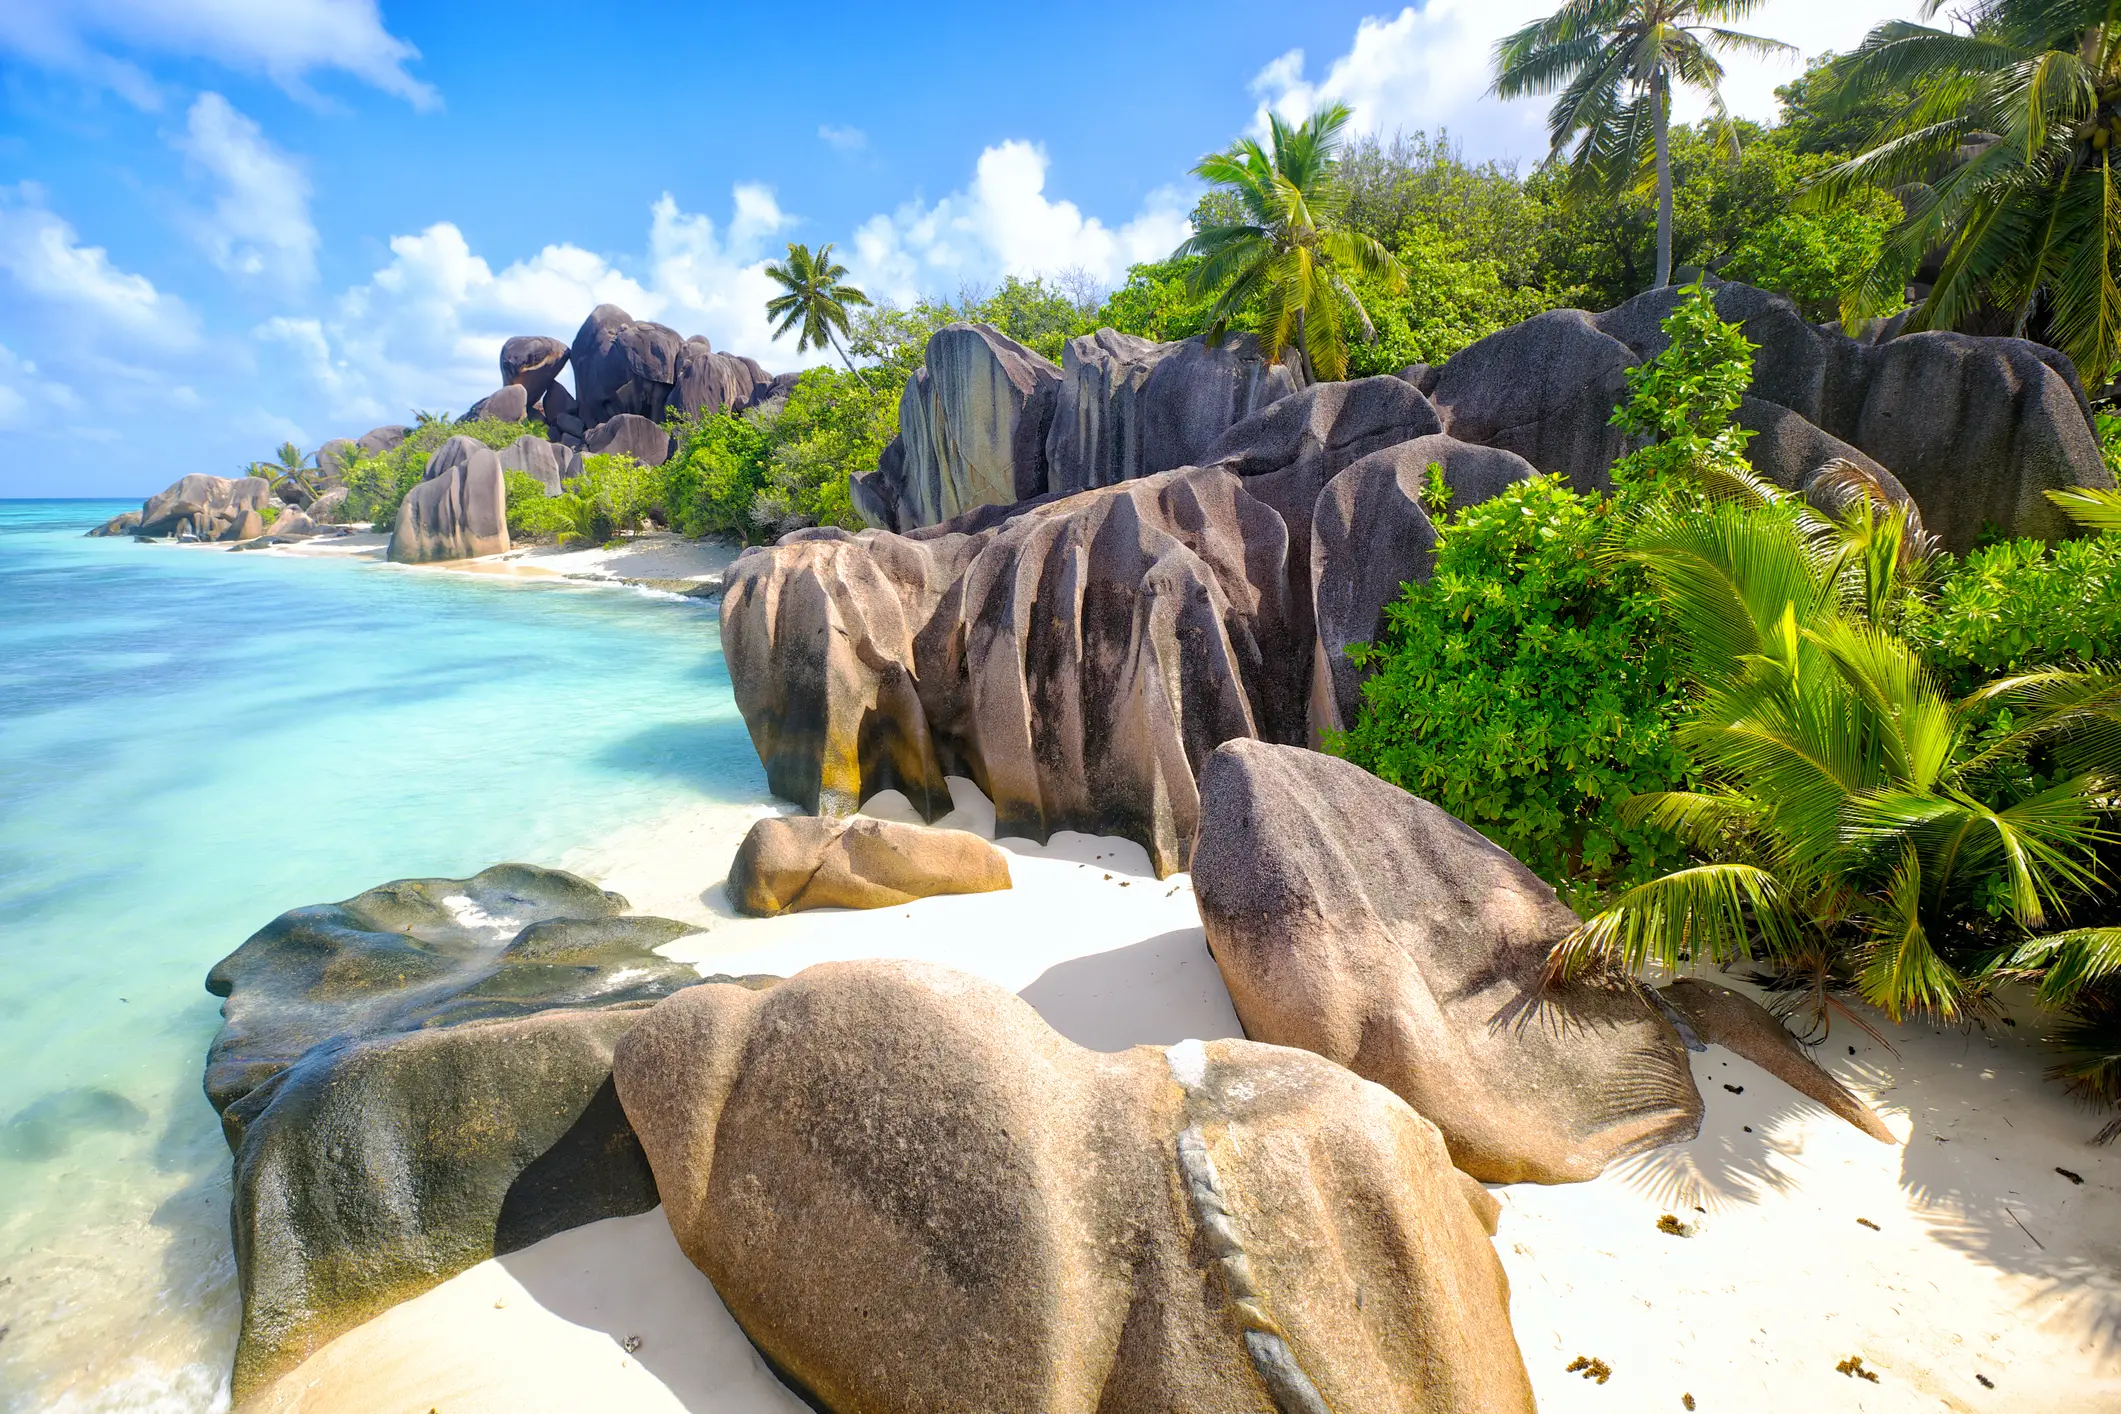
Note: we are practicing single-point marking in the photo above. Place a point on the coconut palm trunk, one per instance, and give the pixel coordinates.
(1661, 97)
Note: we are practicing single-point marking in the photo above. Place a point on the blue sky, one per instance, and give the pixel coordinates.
(228, 222)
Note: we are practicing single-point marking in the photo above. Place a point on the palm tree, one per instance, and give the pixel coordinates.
(1857, 826)
(814, 297)
(1615, 63)
(1287, 251)
(2004, 161)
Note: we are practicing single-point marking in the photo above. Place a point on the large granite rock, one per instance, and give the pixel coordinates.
(722, 382)
(330, 507)
(1352, 919)
(123, 523)
(208, 507)
(382, 439)
(973, 421)
(562, 414)
(531, 362)
(913, 1195)
(551, 463)
(1371, 533)
(1130, 407)
(1544, 389)
(458, 511)
(627, 435)
(623, 365)
(509, 404)
(1974, 429)
(787, 864)
(1077, 657)
(333, 457)
(417, 1079)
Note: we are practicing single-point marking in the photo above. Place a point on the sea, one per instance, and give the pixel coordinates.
(191, 742)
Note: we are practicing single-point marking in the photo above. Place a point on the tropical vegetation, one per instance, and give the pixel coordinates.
(814, 300)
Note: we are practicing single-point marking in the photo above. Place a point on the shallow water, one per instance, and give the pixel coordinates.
(192, 741)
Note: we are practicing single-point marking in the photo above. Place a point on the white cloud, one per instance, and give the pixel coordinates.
(1431, 68)
(26, 396)
(47, 262)
(1004, 224)
(259, 227)
(286, 40)
(842, 137)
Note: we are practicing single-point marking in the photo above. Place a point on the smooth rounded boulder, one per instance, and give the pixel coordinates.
(790, 863)
(628, 435)
(531, 362)
(914, 1196)
(623, 365)
(458, 511)
(509, 404)
(207, 507)
(417, 1079)
(1355, 920)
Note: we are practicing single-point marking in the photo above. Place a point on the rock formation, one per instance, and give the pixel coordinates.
(913, 1195)
(563, 418)
(623, 365)
(509, 404)
(458, 511)
(1371, 534)
(382, 439)
(1718, 1016)
(1078, 658)
(1130, 407)
(972, 423)
(417, 1079)
(1975, 429)
(552, 463)
(788, 864)
(532, 362)
(208, 507)
(1352, 919)
(123, 523)
(629, 435)
(724, 382)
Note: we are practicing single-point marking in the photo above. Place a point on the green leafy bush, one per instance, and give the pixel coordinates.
(377, 481)
(717, 467)
(2023, 604)
(532, 515)
(1452, 298)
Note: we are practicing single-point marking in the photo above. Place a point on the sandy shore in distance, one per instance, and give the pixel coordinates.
(657, 559)
(1975, 1257)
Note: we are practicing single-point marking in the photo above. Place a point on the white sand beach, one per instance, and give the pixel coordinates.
(654, 559)
(1957, 1256)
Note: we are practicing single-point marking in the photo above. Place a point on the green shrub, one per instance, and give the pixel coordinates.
(613, 493)
(1528, 687)
(532, 515)
(2023, 604)
(377, 481)
(718, 465)
(1524, 688)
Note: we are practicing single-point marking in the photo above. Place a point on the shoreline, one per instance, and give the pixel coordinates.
(1975, 1254)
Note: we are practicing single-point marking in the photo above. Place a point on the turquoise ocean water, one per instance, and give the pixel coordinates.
(192, 741)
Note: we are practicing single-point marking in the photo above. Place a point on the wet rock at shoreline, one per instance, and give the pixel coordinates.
(1352, 919)
(457, 512)
(216, 508)
(914, 1195)
(123, 523)
(417, 1079)
(790, 863)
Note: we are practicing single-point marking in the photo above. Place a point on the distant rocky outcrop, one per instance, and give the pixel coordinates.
(721, 382)
(458, 511)
(123, 523)
(382, 439)
(1077, 657)
(629, 435)
(790, 863)
(417, 1079)
(1130, 407)
(1355, 920)
(201, 507)
(623, 365)
(914, 1195)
